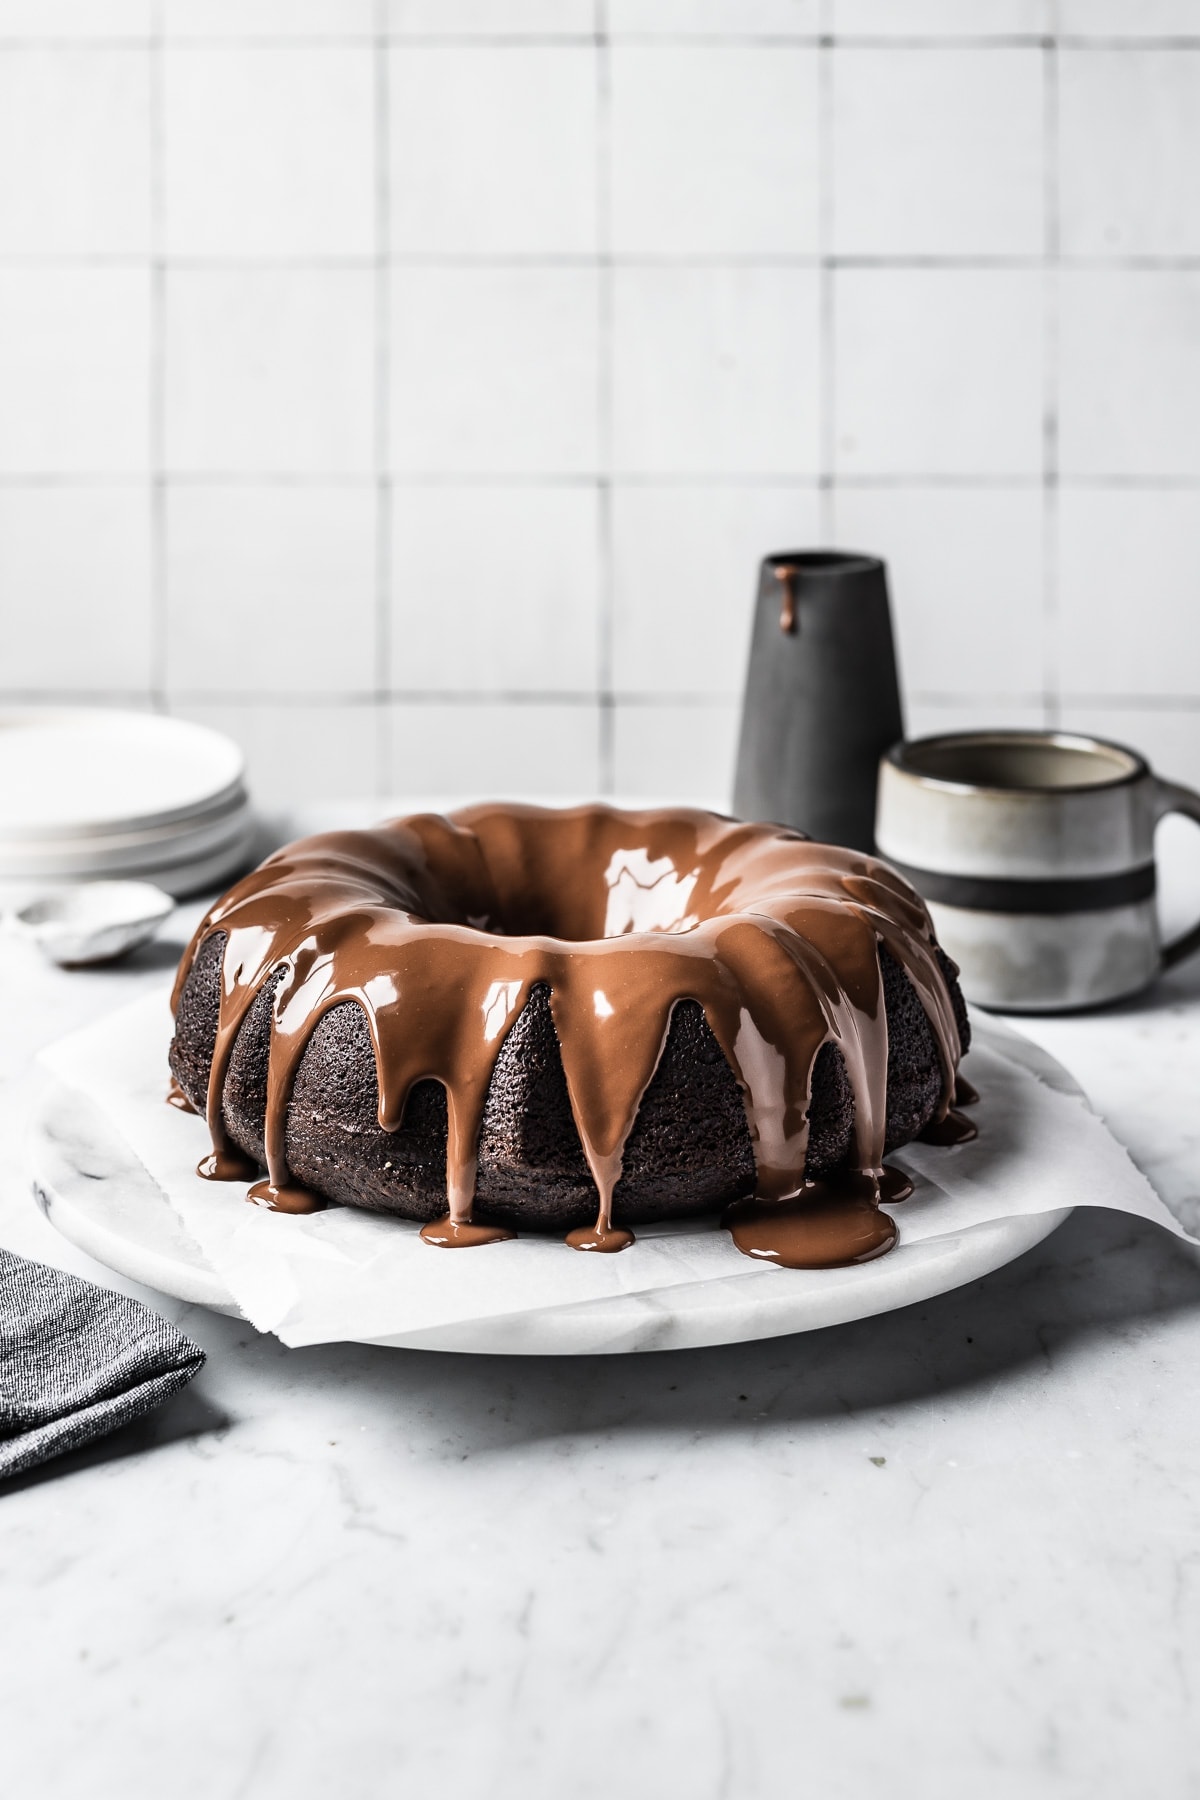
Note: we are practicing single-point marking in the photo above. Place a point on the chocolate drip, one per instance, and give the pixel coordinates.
(439, 929)
(894, 1186)
(462, 1234)
(955, 1128)
(964, 1093)
(607, 1239)
(176, 1097)
(828, 1225)
(226, 1164)
(789, 617)
(289, 1199)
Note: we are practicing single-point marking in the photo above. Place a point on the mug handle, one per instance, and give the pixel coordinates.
(1175, 799)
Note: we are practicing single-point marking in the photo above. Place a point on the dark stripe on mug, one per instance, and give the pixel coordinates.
(992, 893)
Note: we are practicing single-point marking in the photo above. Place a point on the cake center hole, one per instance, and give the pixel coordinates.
(636, 891)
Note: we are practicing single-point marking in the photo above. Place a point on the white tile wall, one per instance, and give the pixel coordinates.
(1166, 736)
(268, 150)
(927, 714)
(206, 19)
(72, 557)
(75, 148)
(270, 590)
(684, 752)
(63, 20)
(412, 386)
(967, 584)
(685, 571)
(1130, 130)
(915, 19)
(543, 748)
(269, 371)
(492, 149)
(716, 371)
(1130, 372)
(938, 372)
(963, 175)
(76, 350)
(1129, 593)
(714, 150)
(495, 590)
(491, 18)
(714, 18)
(1128, 18)
(317, 749)
(494, 371)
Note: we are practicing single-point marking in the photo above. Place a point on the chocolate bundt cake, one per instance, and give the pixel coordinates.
(577, 1020)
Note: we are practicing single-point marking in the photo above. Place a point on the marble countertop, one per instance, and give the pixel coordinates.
(954, 1550)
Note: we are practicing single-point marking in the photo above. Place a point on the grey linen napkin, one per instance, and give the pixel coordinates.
(76, 1361)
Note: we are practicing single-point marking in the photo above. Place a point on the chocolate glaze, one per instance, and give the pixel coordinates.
(177, 1098)
(964, 1093)
(438, 929)
(789, 617)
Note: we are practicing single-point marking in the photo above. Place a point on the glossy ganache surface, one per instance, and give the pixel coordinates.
(700, 1006)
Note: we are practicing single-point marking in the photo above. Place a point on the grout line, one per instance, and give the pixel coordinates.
(382, 398)
(984, 41)
(493, 40)
(367, 699)
(580, 40)
(606, 697)
(679, 478)
(952, 697)
(139, 699)
(320, 263)
(1156, 703)
(827, 325)
(581, 698)
(605, 401)
(1182, 704)
(159, 598)
(1051, 675)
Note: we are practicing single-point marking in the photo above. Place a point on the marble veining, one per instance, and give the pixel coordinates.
(949, 1550)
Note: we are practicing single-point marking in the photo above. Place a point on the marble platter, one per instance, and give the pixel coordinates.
(92, 1186)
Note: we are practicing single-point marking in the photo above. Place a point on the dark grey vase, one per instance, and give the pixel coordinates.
(822, 700)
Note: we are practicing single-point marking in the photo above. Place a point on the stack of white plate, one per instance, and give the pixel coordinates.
(86, 793)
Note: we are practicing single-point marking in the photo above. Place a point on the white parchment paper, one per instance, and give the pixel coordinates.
(344, 1273)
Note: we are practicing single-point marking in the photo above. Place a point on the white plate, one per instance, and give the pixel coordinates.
(82, 771)
(180, 869)
(220, 814)
(86, 857)
(95, 1190)
(195, 873)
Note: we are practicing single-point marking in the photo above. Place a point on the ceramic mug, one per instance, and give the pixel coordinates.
(1034, 851)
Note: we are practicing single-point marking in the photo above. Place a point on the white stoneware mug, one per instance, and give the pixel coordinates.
(1035, 854)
